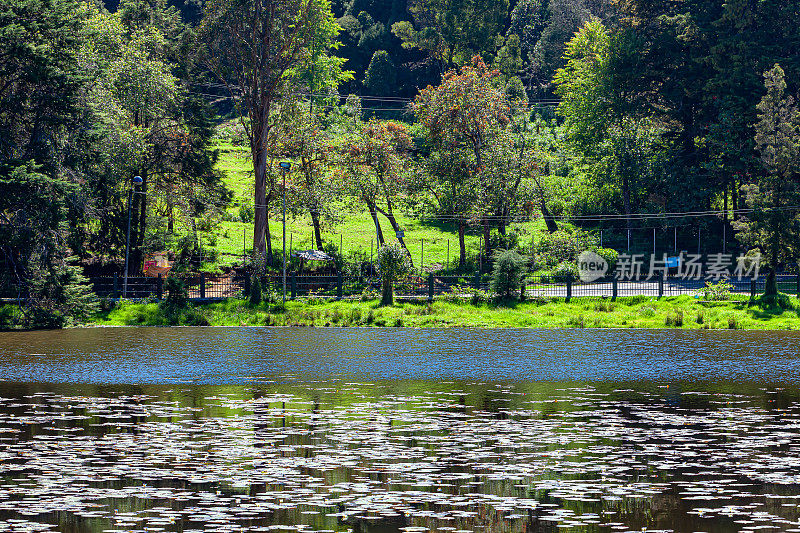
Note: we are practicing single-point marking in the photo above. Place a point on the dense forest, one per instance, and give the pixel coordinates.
(475, 113)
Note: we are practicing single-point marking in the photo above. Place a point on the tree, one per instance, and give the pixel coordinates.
(463, 114)
(252, 47)
(41, 84)
(601, 110)
(508, 272)
(451, 32)
(314, 189)
(381, 76)
(773, 226)
(393, 265)
(151, 127)
(374, 159)
(34, 210)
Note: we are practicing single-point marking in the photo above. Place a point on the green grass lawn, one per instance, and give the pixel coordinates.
(635, 312)
(427, 239)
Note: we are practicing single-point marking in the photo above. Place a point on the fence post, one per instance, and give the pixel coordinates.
(660, 287)
(430, 287)
(160, 287)
(246, 285)
(339, 285)
(477, 279)
(294, 285)
(797, 279)
(203, 285)
(116, 285)
(752, 289)
(614, 289)
(569, 290)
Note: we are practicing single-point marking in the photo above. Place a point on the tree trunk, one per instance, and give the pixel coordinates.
(396, 227)
(260, 206)
(317, 229)
(387, 293)
(170, 216)
(141, 225)
(462, 248)
(549, 220)
(486, 235)
(268, 236)
(377, 222)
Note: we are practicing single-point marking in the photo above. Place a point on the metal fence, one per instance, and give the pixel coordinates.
(205, 287)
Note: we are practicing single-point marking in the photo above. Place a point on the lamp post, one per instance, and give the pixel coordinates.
(135, 181)
(285, 167)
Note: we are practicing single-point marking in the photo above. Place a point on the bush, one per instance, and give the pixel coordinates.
(675, 321)
(247, 214)
(508, 272)
(561, 246)
(177, 293)
(717, 291)
(611, 257)
(565, 272)
(393, 265)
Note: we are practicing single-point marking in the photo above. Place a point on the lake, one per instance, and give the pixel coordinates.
(384, 430)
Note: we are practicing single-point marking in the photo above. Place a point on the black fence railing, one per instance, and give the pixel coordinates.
(204, 286)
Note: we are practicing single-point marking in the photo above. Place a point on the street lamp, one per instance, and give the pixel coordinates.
(137, 180)
(285, 167)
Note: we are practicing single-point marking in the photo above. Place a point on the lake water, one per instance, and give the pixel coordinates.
(383, 430)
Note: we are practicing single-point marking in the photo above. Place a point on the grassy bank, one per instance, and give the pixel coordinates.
(635, 312)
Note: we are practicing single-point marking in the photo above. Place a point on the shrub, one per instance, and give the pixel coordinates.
(508, 272)
(247, 214)
(647, 312)
(611, 257)
(479, 297)
(561, 246)
(565, 272)
(177, 293)
(676, 320)
(393, 265)
(717, 291)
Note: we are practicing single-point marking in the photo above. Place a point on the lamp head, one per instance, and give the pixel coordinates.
(137, 180)
(285, 166)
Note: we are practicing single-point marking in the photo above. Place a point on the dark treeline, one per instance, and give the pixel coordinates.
(663, 107)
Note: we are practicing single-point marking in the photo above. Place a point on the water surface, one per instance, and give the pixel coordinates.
(311, 430)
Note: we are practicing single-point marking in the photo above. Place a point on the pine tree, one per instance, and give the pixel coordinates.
(773, 226)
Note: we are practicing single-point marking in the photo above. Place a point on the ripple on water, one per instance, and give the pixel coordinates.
(408, 456)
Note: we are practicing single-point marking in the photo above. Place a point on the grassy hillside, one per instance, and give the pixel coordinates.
(356, 232)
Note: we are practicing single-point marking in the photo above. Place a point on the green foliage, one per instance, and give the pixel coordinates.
(256, 293)
(246, 213)
(507, 273)
(381, 75)
(177, 293)
(610, 256)
(565, 271)
(717, 291)
(393, 264)
(563, 246)
(452, 32)
(771, 227)
(58, 295)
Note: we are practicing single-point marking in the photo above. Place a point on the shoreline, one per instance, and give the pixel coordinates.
(636, 312)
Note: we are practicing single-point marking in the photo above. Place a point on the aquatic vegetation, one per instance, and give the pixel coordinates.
(338, 456)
